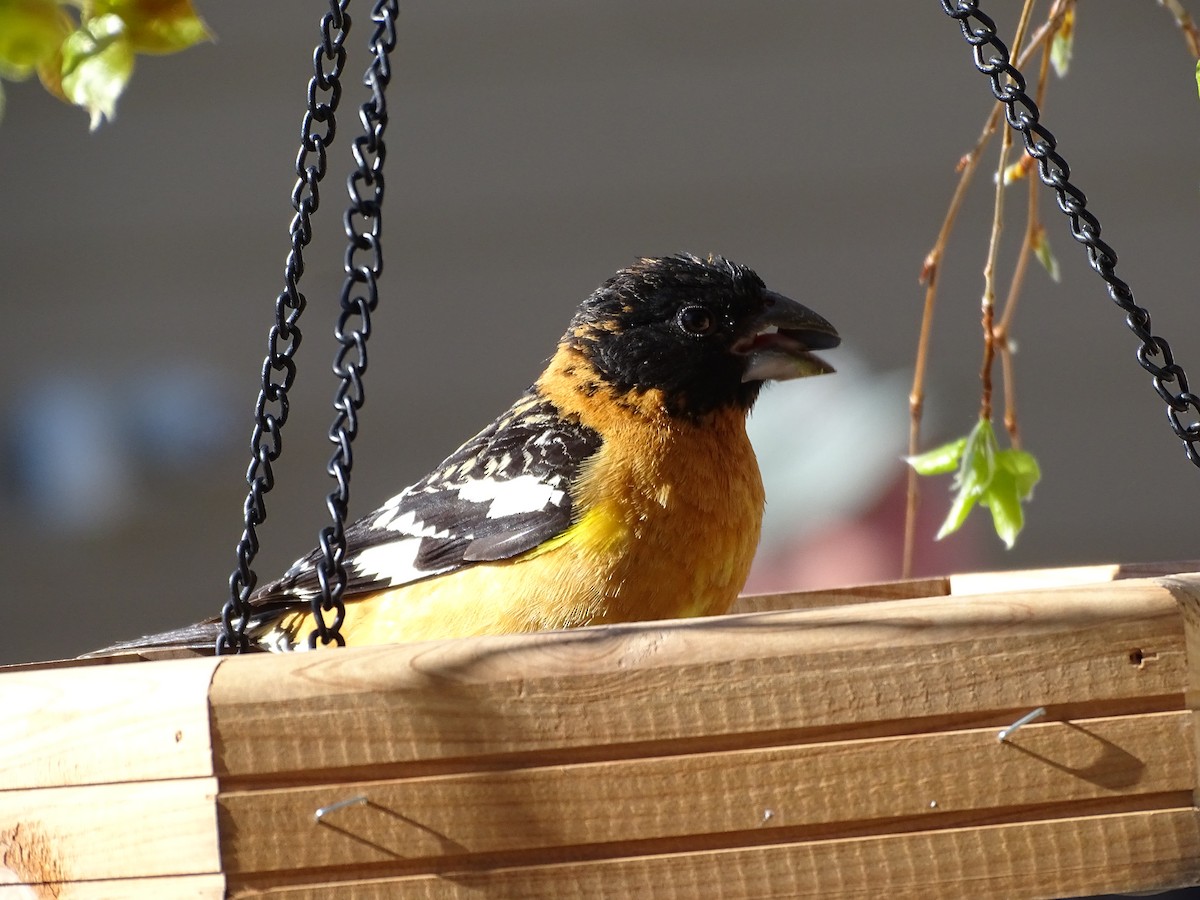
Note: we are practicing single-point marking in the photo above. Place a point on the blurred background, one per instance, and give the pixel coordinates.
(533, 149)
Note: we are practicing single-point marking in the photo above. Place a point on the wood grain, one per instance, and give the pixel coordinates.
(1140, 851)
(91, 832)
(843, 750)
(828, 789)
(888, 665)
(1187, 592)
(104, 724)
(961, 584)
(845, 596)
(182, 887)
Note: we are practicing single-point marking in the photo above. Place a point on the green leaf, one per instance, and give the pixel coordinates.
(1024, 468)
(97, 63)
(157, 26)
(1198, 75)
(975, 471)
(979, 459)
(940, 460)
(31, 31)
(1041, 249)
(1016, 474)
(1003, 500)
(959, 510)
(1000, 480)
(1063, 44)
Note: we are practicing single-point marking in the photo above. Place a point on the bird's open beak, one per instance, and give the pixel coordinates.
(778, 342)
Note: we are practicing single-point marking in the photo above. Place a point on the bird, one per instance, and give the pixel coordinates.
(620, 487)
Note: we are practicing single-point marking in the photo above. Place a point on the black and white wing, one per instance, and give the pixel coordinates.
(503, 492)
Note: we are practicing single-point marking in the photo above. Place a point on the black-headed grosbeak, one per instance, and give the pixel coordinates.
(620, 487)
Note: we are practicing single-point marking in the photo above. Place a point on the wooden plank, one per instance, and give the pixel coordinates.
(868, 593)
(1187, 591)
(108, 659)
(185, 887)
(110, 831)
(824, 788)
(1036, 579)
(740, 678)
(69, 726)
(1139, 851)
(962, 584)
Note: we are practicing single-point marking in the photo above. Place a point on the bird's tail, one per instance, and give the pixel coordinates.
(191, 640)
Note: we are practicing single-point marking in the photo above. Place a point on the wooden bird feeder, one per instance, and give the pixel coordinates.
(836, 744)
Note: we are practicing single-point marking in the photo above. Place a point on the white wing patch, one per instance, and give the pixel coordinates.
(406, 523)
(394, 561)
(512, 496)
(500, 494)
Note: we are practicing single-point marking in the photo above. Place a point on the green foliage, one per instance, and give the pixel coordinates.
(97, 61)
(1001, 480)
(1041, 249)
(1062, 44)
(88, 62)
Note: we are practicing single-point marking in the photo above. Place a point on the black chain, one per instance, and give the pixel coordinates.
(360, 296)
(1008, 86)
(271, 410)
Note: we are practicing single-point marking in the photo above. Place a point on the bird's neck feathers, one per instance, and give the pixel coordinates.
(573, 384)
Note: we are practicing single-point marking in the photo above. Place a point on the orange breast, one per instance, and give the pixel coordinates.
(667, 521)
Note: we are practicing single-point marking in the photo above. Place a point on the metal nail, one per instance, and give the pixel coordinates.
(1006, 733)
(341, 804)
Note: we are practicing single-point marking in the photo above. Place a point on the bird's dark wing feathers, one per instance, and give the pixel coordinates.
(503, 492)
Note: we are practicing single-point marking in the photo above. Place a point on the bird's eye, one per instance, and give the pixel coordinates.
(696, 320)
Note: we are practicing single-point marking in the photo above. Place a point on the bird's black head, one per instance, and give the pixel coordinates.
(705, 332)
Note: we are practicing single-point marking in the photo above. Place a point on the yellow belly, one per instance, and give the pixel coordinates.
(669, 514)
(670, 522)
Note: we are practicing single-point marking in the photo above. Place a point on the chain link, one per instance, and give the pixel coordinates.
(359, 297)
(283, 340)
(1008, 86)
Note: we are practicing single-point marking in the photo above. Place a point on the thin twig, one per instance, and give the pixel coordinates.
(1033, 220)
(988, 301)
(1184, 20)
(929, 277)
(1003, 330)
(916, 396)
